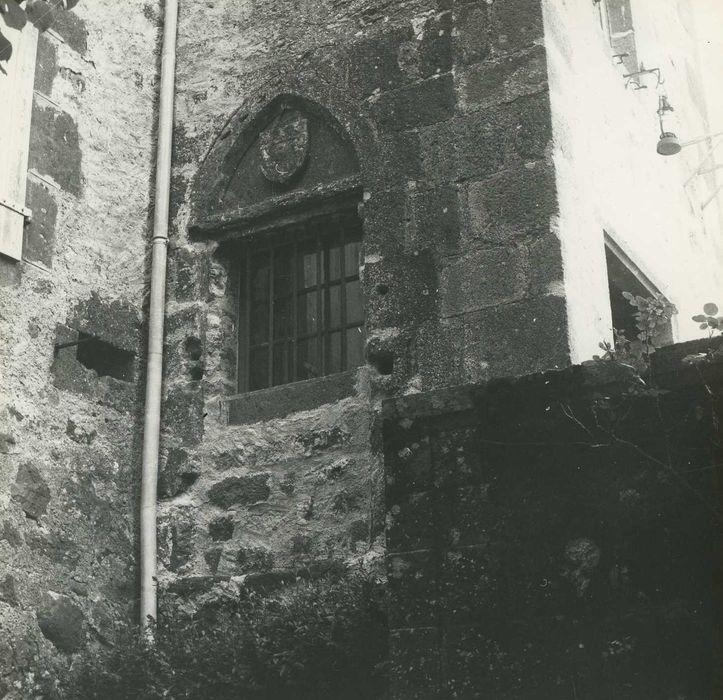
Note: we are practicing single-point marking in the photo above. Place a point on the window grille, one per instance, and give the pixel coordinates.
(301, 312)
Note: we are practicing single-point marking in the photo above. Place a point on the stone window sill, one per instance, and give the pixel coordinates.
(282, 400)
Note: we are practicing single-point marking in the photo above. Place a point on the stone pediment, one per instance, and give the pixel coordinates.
(291, 150)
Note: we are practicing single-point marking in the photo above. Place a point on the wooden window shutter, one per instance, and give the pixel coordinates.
(16, 99)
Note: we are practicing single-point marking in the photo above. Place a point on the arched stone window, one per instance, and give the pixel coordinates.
(284, 205)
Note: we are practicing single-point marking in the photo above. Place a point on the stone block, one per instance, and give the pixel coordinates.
(434, 48)
(374, 63)
(240, 490)
(410, 467)
(523, 337)
(415, 664)
(55, 148)
(254, 559)
(394, 159)
(190, 275)
(221, 529)
(183, 412)
(471, 146)
(402, 291)
(280, 401)
(178, 472)
(471, 585)
(438, 352)
(114, 321)
(516, 24)
(412, 522)
(413, 580)
(435, 220)
(62, 622)
(182, 532)
(503, 80)
(471, 43)
(546, 276)
(423, 103)
(46, 65)
(9, 591)
(530, 126)
(31, 491)
(512, 204)
(483, 278)
(385, 220)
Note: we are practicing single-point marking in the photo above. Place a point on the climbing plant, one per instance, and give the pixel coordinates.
(17, 13)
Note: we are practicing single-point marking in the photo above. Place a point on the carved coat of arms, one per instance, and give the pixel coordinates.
(284, 146)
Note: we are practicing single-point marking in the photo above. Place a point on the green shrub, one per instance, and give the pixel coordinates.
(322, 639)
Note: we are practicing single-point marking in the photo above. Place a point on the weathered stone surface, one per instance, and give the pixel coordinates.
(62, 622)
(178, 473)
(54, 148)
(9, 591)
(221, 529)
(90, 223)
(46, 65)
(240, 490)
(11, 535)
(73, 30)
(183, 411)
(31, 491)
(532, 515)
(39, 238)
(484, 278)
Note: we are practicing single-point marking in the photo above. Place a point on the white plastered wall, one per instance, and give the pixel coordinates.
(609, 175)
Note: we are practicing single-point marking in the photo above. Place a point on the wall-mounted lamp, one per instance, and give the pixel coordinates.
(668, 143)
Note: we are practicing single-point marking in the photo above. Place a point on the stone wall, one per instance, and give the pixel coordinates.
(440, 116)
(555, 536)
(71, 329)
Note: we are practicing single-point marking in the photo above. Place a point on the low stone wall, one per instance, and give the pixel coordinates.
(554, 536)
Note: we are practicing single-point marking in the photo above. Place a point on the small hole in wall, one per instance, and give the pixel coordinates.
(104, 359)
(383, 362)
(382, 289)
(196, 373)
(193, 348)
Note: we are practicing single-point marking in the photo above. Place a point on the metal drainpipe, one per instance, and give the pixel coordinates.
(159, 245)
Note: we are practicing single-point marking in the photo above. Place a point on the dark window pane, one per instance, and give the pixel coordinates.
(351, 258)
(354, 347)
(334, 263)
(307, 359)
(258, 368)
(307, 265)
(334, 306)
(260, 277)
(308, 314)
(283, 272)
(259, 322)
(283, 318)
(282, 355)
(354, 306)
(334, 360)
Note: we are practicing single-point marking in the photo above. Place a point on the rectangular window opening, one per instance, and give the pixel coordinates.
(301, 311)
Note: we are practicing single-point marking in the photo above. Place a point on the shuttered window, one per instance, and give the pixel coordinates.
(16, 100)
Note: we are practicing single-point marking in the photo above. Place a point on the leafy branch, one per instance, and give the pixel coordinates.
(17, 13)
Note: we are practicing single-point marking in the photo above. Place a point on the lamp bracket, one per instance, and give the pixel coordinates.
(630, 78)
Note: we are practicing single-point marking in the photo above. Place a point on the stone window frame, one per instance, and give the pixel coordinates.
(258, 223)
(344, 227)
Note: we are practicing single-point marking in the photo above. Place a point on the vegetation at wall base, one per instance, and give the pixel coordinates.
(313, 639)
